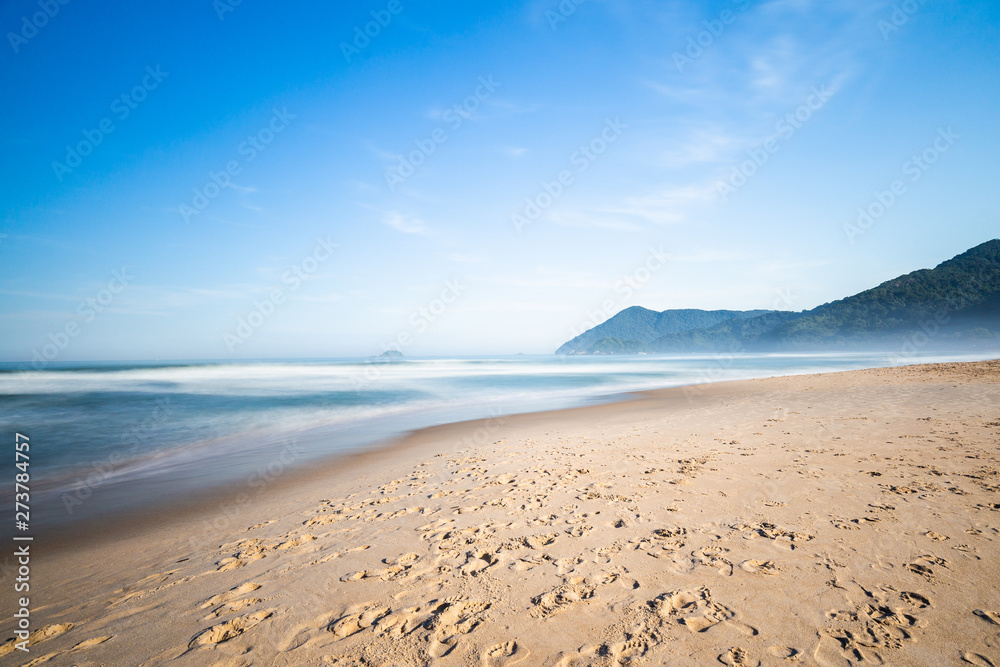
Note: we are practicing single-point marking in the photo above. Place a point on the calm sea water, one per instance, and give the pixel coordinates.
(109, 436)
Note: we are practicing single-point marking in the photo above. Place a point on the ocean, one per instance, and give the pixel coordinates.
(112, 436)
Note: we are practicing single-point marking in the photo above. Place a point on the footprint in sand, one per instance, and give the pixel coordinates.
(48, 632)
(863, 633)
(223, 632)
(967, 549)
(322, 520)
(87, 643)
(916, 599)
(924, 565)
(345, 661)
(303, 633)
(297, 542)
(759, 567)
(977, 659)
(845, 524)
(446, 619)
(363, 616)
(677, 564)
(504, 655)
(132, 595)
(232, 607)
(695, 609)
(477, 562)
(82, 646)
(668, 533)
(625, 652)
(784, 652)
(529, 562)
(404, 621)
(567, 565)
(539, 541)
(991, 617)
(434, 526)
(558, 599)
(712, 557)
(405, 559)
(439, 649)
(737, 657)
(398, 569)
(457, 616)
(242, 589)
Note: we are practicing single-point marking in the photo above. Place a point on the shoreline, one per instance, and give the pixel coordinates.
(95, 484)
(692, 524)
(211, 500)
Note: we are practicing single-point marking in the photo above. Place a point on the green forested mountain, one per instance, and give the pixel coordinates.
(958, 294)
(636, 326)
(957, 301)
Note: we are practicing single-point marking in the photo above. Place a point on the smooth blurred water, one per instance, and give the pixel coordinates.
(190, 425)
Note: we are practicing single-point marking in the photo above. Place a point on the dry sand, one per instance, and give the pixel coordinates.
(838, 519)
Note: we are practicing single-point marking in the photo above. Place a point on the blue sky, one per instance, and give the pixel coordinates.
(685, 182)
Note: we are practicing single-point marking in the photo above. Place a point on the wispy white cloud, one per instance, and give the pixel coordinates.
(703, 145)
(668, 205)
(401, 222)
(241, 189)
(252, 207)
(404, 223)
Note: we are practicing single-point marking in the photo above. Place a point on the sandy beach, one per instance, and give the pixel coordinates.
(838, 519)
